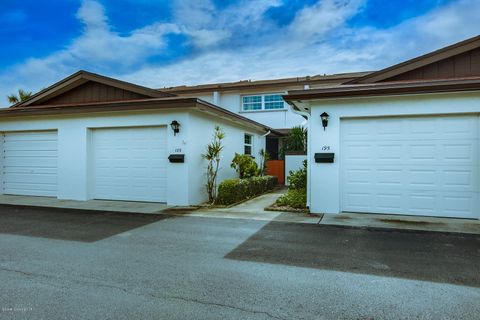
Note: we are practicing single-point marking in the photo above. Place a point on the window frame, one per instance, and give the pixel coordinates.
(245, 144)
(262, 102)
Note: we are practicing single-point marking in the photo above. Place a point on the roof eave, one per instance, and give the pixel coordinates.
(132, 105)
(234, 116)
(353, 91)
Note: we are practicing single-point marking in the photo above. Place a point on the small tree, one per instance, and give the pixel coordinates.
(21, 96)
(212, 155)
(264, 157)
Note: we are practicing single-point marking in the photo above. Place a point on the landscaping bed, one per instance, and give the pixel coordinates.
(275, 207)
(295, 200)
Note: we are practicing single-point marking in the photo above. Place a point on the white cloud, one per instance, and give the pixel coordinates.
(93, 15)
(194, 14)
(98, 46)
(208, 26)
(318, 40)
(316, 20)
(362, 49)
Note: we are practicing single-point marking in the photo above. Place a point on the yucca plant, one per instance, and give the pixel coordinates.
(212, 155)
(264, 157)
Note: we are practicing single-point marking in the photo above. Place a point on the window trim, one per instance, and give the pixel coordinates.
(251, 144)
(263, 95)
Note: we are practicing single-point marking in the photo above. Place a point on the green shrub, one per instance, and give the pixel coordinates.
(235, 190)
(295, 198)
(245, 165)
(298, 179)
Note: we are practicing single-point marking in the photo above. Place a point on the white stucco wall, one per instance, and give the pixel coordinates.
(324, 186)
(184, 182)
(277, 119)
(233, 143)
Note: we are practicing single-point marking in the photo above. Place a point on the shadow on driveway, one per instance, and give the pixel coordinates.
(70, 224)
(436, 257)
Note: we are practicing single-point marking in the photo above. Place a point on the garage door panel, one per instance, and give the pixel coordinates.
(27, 177)
(459, 179)
(461, 205)
(31, 189)
(388, 177)
(430, 178)
(420, 167)
(422, 178)
(30, 163)
(130, 164)
(389, 201)
(357, 201)
(31, 154)
(32, 145)
(401, 129)
(415, 152)
(459, 127)
(23, 170)
(390, 151)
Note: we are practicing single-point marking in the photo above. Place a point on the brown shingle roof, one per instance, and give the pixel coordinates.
(387, 88)
(248, 84)
(133, 105)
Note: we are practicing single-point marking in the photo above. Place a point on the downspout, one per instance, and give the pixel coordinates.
(306, 115)
(216, 98)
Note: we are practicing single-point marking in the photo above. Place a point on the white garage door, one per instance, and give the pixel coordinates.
(416, 166)
(130, 164)
(30, 163)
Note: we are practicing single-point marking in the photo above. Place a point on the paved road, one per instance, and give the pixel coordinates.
(63, 264)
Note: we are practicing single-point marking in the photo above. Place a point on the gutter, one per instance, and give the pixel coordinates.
(386, 89)
(154, 104)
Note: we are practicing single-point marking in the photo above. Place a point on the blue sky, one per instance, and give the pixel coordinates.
(165, 43)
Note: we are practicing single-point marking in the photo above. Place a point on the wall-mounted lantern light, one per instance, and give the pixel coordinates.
(324, 116)
(175, 127)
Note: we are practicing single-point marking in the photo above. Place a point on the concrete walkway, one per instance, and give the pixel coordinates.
(254, 210)
(97, 205)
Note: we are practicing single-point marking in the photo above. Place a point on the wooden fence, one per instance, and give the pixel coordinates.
(276, 168)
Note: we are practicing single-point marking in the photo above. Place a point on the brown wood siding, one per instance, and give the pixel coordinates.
(93, 92)
(460, 66)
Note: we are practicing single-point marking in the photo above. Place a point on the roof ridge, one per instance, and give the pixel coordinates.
(317, 77)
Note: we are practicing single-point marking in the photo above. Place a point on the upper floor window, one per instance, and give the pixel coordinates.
(262, 102)
(252, 103)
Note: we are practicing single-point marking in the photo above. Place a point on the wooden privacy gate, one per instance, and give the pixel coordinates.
(276, 168)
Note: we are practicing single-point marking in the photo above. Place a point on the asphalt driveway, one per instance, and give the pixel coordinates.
(66, 264)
